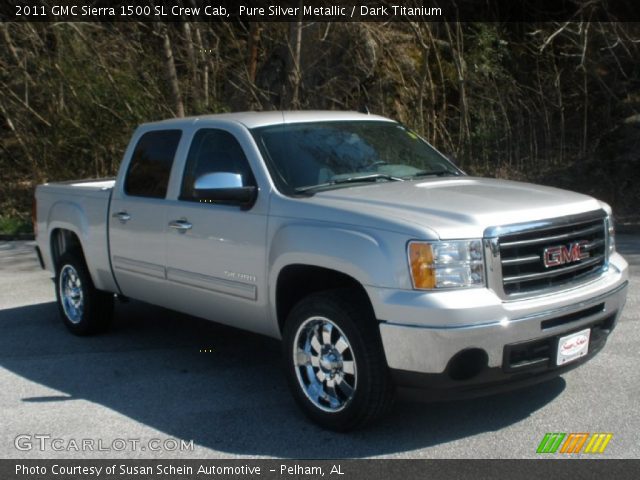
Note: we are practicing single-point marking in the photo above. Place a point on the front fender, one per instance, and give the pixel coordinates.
(372, 257)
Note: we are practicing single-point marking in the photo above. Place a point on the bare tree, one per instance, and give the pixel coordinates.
(293, 62)
(170, 69)
(255, 30)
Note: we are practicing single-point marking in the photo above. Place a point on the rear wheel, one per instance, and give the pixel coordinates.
(335, 363)
(84, 309)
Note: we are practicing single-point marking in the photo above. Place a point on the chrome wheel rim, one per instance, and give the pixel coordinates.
(325, 365)
(71, 296)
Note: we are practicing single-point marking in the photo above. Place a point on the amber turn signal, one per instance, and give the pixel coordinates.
(421, 260)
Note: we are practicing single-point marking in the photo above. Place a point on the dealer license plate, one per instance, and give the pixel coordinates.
(572, 347)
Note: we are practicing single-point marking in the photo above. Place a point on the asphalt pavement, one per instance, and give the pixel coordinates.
(159, 382)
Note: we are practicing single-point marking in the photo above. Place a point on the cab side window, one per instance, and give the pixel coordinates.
(150, 166)
(214, 151)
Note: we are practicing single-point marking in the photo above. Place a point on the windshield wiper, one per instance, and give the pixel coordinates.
(370, 177)
(435, 173)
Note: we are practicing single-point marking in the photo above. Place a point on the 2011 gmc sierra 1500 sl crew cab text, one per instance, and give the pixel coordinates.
(380, 265)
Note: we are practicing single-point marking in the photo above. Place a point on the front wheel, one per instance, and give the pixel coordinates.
(84, 309)
(334, 359)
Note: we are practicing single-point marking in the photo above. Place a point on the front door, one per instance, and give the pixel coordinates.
(216, 252)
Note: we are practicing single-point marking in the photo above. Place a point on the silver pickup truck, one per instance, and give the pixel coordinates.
(382, 267)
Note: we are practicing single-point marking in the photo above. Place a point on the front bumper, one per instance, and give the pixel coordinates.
(466, 339)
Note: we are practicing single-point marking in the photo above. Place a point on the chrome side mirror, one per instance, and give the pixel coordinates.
(225, 188)
(217, 180)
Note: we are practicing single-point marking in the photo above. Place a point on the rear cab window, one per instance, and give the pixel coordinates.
(150, 166)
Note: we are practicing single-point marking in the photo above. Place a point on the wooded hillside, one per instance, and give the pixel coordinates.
(555, 103)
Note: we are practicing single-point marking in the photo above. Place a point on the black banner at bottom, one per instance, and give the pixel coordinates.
(316, 469)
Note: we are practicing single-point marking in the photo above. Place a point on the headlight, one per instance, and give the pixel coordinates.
(448, 264)
(611, 234)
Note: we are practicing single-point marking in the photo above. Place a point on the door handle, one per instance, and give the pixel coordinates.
(181, 225)
(124, 217)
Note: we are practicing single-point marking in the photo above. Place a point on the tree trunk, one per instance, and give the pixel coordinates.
(254, 42)
(172, 75)
(193, 64)
(293, 67)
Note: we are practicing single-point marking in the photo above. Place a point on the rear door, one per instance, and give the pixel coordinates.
(137, 223)
(216, 261)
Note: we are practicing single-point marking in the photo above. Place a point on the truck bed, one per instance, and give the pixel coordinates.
(100, 184)
(81, 206)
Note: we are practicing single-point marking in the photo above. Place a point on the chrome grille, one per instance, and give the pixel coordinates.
(522, 253)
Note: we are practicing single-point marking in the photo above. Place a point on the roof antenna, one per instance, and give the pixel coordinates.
(364, 109)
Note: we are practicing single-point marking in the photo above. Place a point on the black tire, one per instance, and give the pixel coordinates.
(83, 309)
(361, 397)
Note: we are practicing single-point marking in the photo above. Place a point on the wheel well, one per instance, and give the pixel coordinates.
(63, 241)
(297, 281)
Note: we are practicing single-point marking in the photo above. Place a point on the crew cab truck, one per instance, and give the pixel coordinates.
(380, 264)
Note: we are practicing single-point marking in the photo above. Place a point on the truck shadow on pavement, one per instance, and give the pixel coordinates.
(218, 386)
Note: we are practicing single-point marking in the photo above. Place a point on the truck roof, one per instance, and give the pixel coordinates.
(275, 117)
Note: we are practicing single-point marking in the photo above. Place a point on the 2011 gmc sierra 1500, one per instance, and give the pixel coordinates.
(380, 264)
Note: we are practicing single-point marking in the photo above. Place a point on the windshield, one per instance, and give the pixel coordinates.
(307, 157)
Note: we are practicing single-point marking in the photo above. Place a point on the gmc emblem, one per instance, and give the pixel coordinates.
(561, 255)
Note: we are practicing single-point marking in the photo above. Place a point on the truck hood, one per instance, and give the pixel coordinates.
(457, 207)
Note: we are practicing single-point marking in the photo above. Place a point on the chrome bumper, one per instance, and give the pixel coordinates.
(421, 332)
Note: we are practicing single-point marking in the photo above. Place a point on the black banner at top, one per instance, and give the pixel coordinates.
(318, 10)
